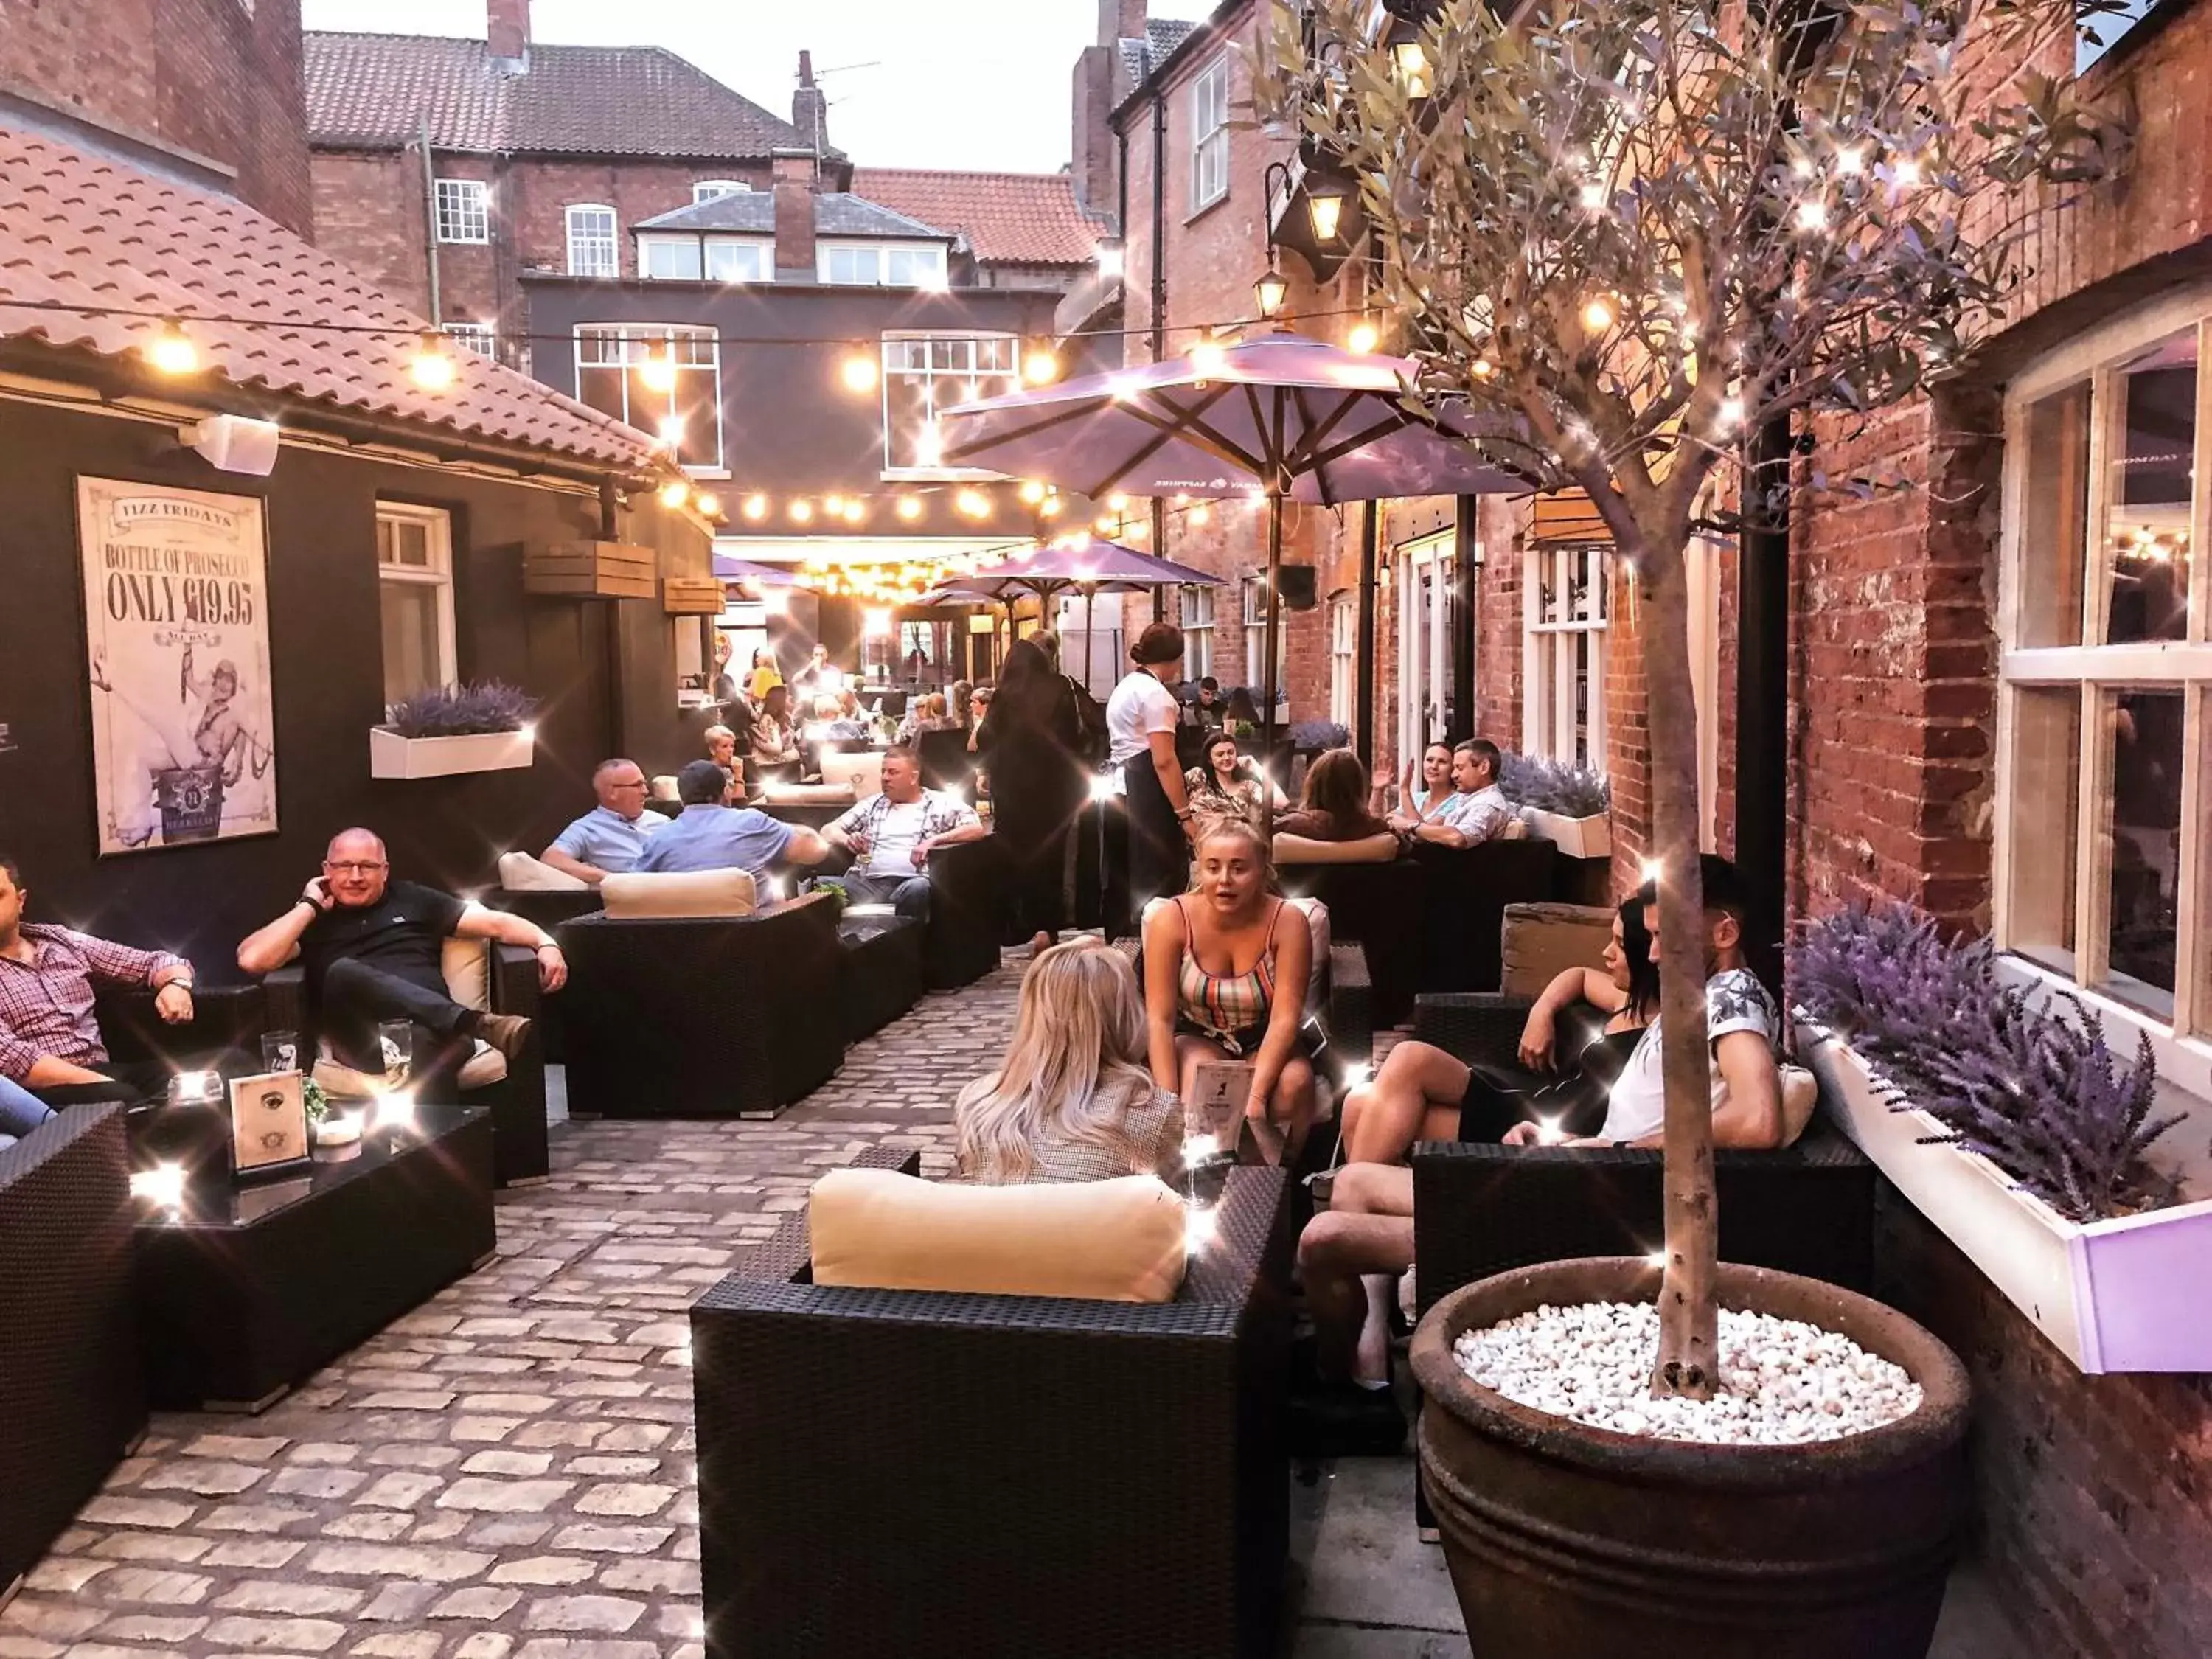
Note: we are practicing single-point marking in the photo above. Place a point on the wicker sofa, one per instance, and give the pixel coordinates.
(1481, 1208)
(1377, 905)
(705, 1016)
(967, 882)
(1464, 893)
(72, 1390)
(922, 1474)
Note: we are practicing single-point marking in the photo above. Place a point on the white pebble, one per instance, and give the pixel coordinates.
(1782, 1380)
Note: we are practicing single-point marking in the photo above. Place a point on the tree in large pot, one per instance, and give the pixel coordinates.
(1647, 237)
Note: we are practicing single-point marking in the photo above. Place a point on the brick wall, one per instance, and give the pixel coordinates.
(216, 78)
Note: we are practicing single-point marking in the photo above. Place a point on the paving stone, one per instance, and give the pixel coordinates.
(152, 1547)
(606, 1614)
(403, 1400)
(443, 1566)
(612, 1541)
(136, 1512)
(504, 1496)
(263, 1552)
(510, 1463)
(284, 1595)
(625, 1497)
(400, 1489)
(288, 1635)
(241, 1447)
(400, 1644)
(485, 1645)
(400, 1604)
(160, 1585)
(484, 1602)
(171, 1630)
(551, 1571)
(63, 1574)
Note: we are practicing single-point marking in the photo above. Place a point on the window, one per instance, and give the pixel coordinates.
(712, 190)
(714, 258)
(2104, 26)
(2103, 782)
(483, 338)
(463, 210)
(415, 591)
(1255, 640)
(1343, 659)
(1209, 134)
(880, 265)
(610, 376)
(593, 249)
(1565, 598)
(925, 375)
(1197, 632)
(730, 260)
(670, 259)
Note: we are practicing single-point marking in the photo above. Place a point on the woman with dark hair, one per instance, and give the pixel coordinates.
(1028, 738)
(1228, 783)
(774, 741)
(1336, 804)
(1140, 728)
(1422, 1093)
(1240, 709)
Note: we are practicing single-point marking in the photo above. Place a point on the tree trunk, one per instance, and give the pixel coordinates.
(1689, 1349)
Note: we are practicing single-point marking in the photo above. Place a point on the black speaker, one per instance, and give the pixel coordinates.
(1297, 585)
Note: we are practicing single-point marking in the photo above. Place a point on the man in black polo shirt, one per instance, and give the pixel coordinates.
(372, 950)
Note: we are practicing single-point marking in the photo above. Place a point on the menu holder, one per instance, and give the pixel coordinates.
(268, 1126)
(1216, 1104)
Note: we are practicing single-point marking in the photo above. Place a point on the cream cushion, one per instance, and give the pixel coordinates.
(680, 893)
(1537, 941)
(1102, 1241)
(863, 773)
(808, 794)
(1800, 1093)
(466, 964)
(1303, 849)
(519, 872)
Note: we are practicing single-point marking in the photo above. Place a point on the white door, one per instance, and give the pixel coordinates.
(1424, 574)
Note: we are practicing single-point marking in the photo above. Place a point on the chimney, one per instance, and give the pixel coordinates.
(797, 176)
(1121, 20)
(809, 109)
(506, 32)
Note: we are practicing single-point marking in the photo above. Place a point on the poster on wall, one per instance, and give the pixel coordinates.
(176, 607)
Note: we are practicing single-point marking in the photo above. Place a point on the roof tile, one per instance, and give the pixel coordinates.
(77, 229)
(1008, 218)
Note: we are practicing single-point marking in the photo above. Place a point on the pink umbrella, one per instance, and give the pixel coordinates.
(1087, 563)
(1276, 415)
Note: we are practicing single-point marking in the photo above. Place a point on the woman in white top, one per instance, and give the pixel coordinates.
(1140, 728)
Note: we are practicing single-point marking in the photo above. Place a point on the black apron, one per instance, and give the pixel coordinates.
(1159, 856)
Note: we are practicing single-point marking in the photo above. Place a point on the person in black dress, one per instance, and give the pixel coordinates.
(1030, 741)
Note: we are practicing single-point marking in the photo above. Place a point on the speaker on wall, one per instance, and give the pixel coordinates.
(1297, 580)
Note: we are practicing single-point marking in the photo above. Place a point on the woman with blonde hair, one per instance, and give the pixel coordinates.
(1225, 970)
(1072, 1101)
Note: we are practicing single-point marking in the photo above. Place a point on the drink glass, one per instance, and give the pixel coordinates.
(395, 1041)
(280, 1051)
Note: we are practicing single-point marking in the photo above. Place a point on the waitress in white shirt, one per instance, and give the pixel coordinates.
(1141, 725)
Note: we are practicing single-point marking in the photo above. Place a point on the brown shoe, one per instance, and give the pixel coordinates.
(505, 1032)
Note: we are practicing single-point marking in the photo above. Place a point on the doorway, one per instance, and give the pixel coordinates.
(1424, 685)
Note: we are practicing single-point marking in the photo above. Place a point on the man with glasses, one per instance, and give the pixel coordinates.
(611, 838)
(373, 950)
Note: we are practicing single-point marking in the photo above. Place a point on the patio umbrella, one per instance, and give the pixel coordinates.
(1278, 415)
(1088, 563)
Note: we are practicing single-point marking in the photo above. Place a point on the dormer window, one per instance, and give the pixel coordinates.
(712, 190)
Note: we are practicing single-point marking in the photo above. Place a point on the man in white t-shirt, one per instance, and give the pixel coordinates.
(1349, 1255)
(889, 836)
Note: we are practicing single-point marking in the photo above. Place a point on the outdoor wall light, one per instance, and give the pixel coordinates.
(860, 373)
(1325, 210)
(171, 350)
(1270, 291)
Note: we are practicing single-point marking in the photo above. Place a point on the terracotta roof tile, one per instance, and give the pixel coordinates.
(376, 89)
(1008, 218)
(77, 229)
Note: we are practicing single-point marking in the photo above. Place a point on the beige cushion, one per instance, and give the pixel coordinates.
(1539, 941)
(1102, 1241)
(808, 794)
(680, 893)
(1302, 849)
(466, 964)
(519, 872)
(1800, 1093)
(1516, 829)
(863, 774)
(482, 1068)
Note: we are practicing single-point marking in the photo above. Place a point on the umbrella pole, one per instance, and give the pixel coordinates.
(1275, 623)
(1089, 604)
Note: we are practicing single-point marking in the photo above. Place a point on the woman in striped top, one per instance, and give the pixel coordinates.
(1225, 969)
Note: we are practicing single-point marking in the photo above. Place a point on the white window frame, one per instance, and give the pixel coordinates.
(985, 384)
(764, 264)
(464, 211)
(483, 338)
(1343, 659)
(1197, 632)
(1549, 636)
(712, 190)
(592, 239)
(1256, 641)
(878, 255)
(1424, 568)
(2181, 1041)
(635, 341)
(437, 526)
(1209, 136)
(649, 244)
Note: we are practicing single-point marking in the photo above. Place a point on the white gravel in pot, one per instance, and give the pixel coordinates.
(1782, 1381)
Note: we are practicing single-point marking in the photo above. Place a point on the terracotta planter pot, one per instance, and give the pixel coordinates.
(1568, 1540)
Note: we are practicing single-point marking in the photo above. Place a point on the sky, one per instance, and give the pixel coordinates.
(960, 83)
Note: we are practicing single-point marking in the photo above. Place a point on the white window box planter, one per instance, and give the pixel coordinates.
(390, 755)
(1577, 838)
(2126, 1295)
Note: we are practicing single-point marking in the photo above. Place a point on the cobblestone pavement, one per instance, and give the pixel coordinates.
(506, 1472)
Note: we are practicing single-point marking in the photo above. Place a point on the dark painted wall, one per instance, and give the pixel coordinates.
(326, 659)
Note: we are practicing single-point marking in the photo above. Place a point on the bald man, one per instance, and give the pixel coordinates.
(373, 951)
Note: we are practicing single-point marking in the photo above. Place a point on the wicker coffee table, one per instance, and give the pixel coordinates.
(245, 1290)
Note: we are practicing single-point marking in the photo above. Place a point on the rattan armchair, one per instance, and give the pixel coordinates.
(72, 1390)
(969, 883)
(1464, 893)
(936, 1476)
(703, 1017)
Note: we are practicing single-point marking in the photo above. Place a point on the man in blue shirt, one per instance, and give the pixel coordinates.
(710, 835)
(608, 840)
(1478, 812)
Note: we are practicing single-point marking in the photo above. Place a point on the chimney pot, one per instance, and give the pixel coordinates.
(810, 109)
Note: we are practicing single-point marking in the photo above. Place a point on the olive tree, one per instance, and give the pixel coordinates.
(1634, 233)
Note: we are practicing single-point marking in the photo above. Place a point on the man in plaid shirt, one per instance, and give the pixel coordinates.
(889, 836)
(49, 1037)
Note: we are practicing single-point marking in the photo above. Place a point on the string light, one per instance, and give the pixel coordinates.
(1812, 215)
(1731, 413)
(973, 502)
(172, 351)
(1364, 337)
(1482, 368)
(671, 429)
(757, 507)
(1851, 160)
(1208, 357)
(1597, 315)
(659, 370)
(1198, 516)
(909, 508)
(834, 505)
(1593, 196)
(710, 504)
(802, 511)
(432, 367)
(1052, 506)
(860, 373)
(1904, 172)
(1031, 491)
(1041, 368)
(1118, 501)
(676, 494)
(856, 511)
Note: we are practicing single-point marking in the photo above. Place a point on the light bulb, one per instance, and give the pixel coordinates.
(1851, 160)
(856, 510)
(1052, 507)
(1270, 291)
(1904, 172)
(1548, 1132)
(1812, 215)
(1364, 338)
(1109, 261)
(909, 508)
(1041, 368)
(1199, 1228)
(1482, 368)
(671, 429)
(658, 371)
(1200, 513)
(1593, 195)
(1651, 869)
(171, 351)
(1597, 316)
(802, 511)
(1655, 1258)
(860, 373)
(1412, 62)
(755, 508)
(834, 505)
(710, 504)
(1118, 501)
(1032, 492)
(676, 494)
(163, 1185)
(1207, 358)
(929, 445)
(432, 367)
(1731, 413)
(1326, 212)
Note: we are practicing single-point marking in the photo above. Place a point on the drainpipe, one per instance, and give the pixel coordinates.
(1363, 735)
(1460, 608)
(1159, 306)
(430, 217)
(1762, 703)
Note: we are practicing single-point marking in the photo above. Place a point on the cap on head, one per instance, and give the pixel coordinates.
(701, 783)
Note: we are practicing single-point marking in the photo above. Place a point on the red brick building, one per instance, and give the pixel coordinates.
(1023, 230)
(539, 158)
(204, 91)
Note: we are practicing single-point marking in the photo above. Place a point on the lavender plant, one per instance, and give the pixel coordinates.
(460, 711)
(2028, 1081)
(1551, 786)
(1319, 735)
